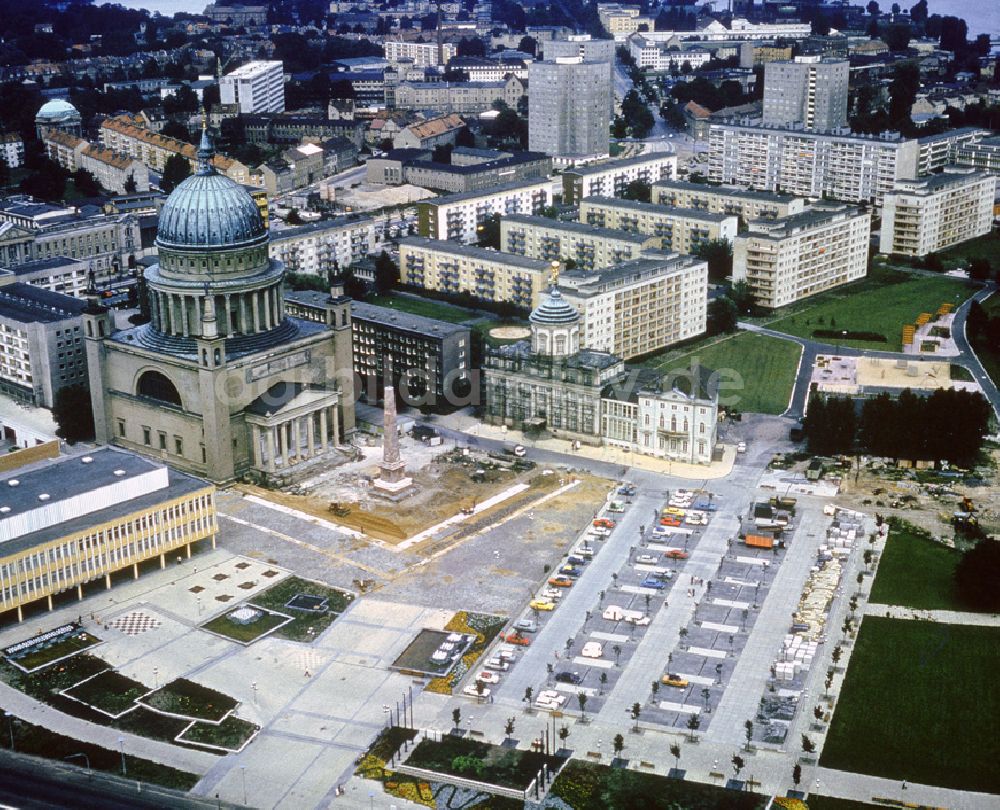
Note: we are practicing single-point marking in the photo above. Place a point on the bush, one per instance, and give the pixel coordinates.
(977, 577)
(846, 334)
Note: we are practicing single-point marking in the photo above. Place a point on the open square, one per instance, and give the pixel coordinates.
(905, 711)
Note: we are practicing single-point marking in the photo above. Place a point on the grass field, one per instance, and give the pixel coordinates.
(423, 306)
(883, 303)
(764, 370)
(985, 247)
(916, 572)
(989, 355)
(244, 633)
(918, 704)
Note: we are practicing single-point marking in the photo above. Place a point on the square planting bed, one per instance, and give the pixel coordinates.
(246, 623)
(423, 655)
(232, 734)
(184, 698)
(40, 651)
(308, 602)
(108, 692)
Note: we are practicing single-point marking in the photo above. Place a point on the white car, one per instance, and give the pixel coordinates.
(472, 692)
(552, 593)
(646, 559)
(741, 447)
(488, 677)
(641, 621)
(663, 531)
(592, 649)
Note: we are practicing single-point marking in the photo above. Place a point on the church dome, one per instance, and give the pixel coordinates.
(554, 310)
(56, 110)
(208, 210)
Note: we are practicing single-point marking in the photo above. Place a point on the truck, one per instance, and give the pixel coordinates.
(759, 541)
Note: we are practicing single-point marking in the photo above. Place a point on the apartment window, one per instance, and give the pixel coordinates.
(162, 440)
(178, 445)
(146, 436)
(121, 428)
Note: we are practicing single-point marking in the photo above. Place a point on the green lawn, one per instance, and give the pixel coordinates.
(985, 247)
(918, 704)
(232, 733)
(277, 596)
(493, 764)
(756, 372)
(190, 699)
(244, 633)
(883, 303)
(109, 692)
(69, 644)
(484, 328)
(988, 355)
(423, 306)
(916, 571)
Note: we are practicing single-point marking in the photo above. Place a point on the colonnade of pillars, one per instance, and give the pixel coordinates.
(294, 440)
(237, 313)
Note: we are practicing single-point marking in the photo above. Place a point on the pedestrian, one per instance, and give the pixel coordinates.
(904, 784)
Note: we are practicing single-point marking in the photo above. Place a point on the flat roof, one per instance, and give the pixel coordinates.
(313, 227)
(817, 215)
(44, 264)
(613, 165)
(474, 252)
(478, 168)
(487, 192)
(726, 191)
(577, 227)
(584, 282)
(27, 303)
(395, 319)
(653, 208)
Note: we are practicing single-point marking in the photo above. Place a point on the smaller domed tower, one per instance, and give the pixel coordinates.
(555, 327)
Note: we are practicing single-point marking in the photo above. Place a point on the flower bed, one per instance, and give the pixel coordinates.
(232, 734)
(186, 698)
(276, 598)
(481, 761)
(50, 651)
(266, 623)
(109, 692)
(485, 627)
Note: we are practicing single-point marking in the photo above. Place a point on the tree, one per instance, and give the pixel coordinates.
(619, 744)
(47, 181)
(980, 269)
(528, 45)
(638, 190)
(722, 315)
(183, 100)
(903, 93)
(742, 296)
(808, 745)
(738, 764)
(835, 656)
(748, 731)
(86, 184)
(977, 576)
(797, 774)
(636, 114)
(73, 413)
(527, 695)
(293, 217)
(509, 728)
(693, 724)
(488, 232)
(636, 711)
(456, 717)
(175, 171)
(617, 650)
(129, 186)
(706, 695)
(719, 255)
(656, 688)
(468, 764)
(873, 8)
(675, 752)
(581, 698)
(386, 274)
(480, 688)
(604, 681)
(563, 735)
(465, 137)
(175, 129)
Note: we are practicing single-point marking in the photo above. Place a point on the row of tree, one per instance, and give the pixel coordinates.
(947, 425)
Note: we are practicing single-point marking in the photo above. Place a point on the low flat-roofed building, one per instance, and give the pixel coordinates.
(927, 214)
(639, 306)
(586, 246)
(680, 230)
(611, 178)
(415, 166)
(744, 203)
(789, 259)
(484, 274)
(458, 216)
(41, 345)
(59, 274)
(73, 520)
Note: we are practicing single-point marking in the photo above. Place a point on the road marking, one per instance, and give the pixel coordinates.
(574, 689)
(637, 589)
(731, 603)
(745, 583)
(706, 652)
(681, 708)
(609, 637)
(753, 561)
(696, 679)
(722, 628)
(593, 662)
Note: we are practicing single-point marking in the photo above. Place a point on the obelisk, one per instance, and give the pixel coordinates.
(392, 477)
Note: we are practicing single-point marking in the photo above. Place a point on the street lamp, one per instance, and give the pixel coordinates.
(243, 771)
(121, 747)
(253, 686)
(156, 677)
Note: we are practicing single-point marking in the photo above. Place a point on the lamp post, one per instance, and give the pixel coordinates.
(156, 677)
(243, 771)
(10, 727)
(253, 686)
(121, 747)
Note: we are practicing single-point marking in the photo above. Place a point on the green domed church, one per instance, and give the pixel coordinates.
(221, 382)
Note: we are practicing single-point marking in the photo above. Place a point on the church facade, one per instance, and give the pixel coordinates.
(221, 382)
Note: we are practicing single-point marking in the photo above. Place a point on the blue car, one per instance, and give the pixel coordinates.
(652, 583)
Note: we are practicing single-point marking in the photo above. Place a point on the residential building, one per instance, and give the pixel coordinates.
(41, 347)
(587, 246)
(808, 90)
(12, 150)
(679, 230)
(937, 151)
(641, 305)
(106, 242)
(430, 133)
(611, 178)
(244, 15)
(928, 214)
(620, 21)
(464, 98)
(551, 382)
(569, 107)
(297, 167)
(319, 248)
(121, 134)
(292, 129)
(789, 259)
(60, 275)
(743, 203)
(58, 114)
(459, 216)
(256, 87)
(421, 54)
(218, 324)
(483, 274)
(583, 46)
(482, 69)
(660, 57)
(709, 29)
(112, 170)
(983, 154)
(414, 166)
(70, 521)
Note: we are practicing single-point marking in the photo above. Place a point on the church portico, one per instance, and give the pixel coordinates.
(285, 434)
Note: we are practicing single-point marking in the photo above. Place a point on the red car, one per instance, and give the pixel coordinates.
(677, 554)
(670, 520)
(516, 638)
(604, 523)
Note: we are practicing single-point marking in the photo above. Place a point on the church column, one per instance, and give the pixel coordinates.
(164, 313)
(242, 304)
(255, 308)
(277, 305)
(310, 431)
(265, 303)
(270, 449)
(286, 437)
(255, 438)
(229, 317)
(154, 310)
(186, 328)
(322, 430)
(335, 440)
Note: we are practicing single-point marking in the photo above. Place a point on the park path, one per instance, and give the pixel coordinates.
(943, 616)
(40, 714)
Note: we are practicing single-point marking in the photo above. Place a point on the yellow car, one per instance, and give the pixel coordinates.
(673, 510)
(671, 679)
(542, 604)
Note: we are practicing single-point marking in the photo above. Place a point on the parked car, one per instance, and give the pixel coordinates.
(526, 625)
(616, 506)
(498, 663)
(519, 450)
(652, 582)
(670, 520)
(569, 677)
(741, 447)
(574, 560)
(516, 638)
(542, 604)
(561, 582)
(646, 559)
(584, 551)
(673, 510)
(592, 649)
(677, 554)
(570, 571)
(551, 593)
(473, 692)
(663, 573)
(672, 679)
(488, 677)
(604, 523)
(662, 531)
(628, 490)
